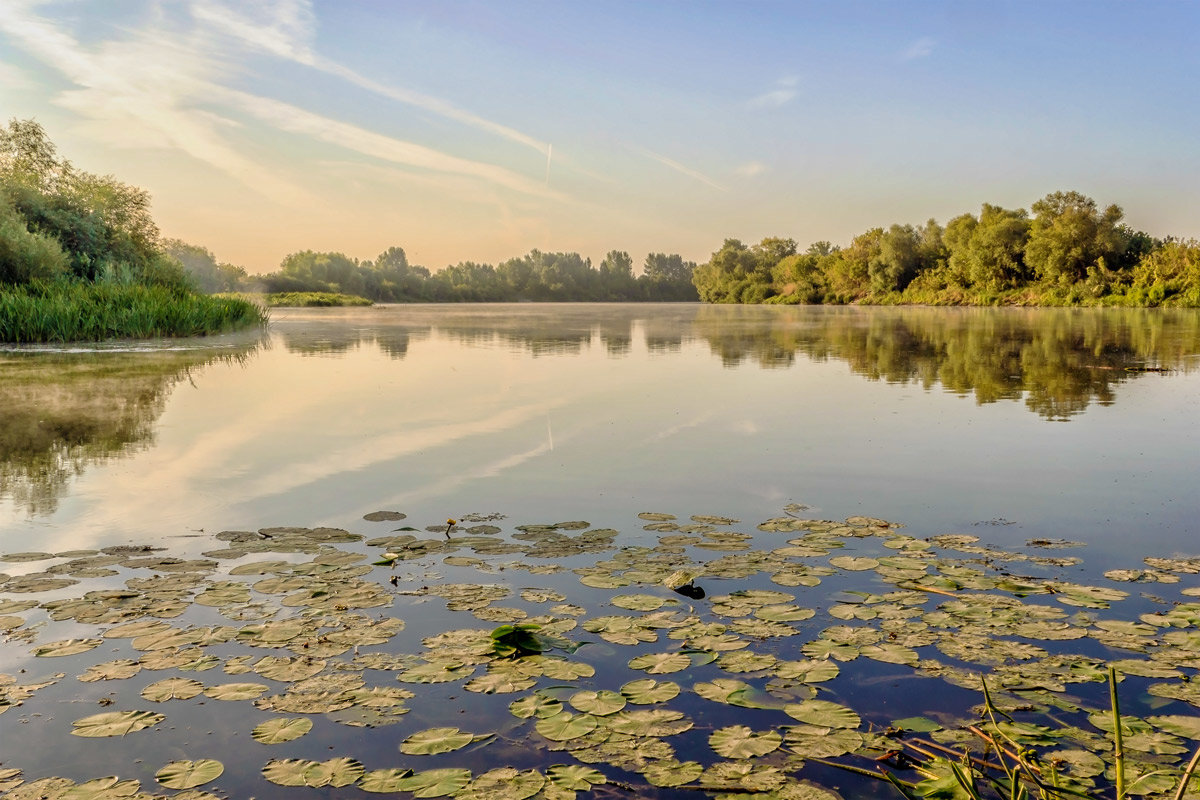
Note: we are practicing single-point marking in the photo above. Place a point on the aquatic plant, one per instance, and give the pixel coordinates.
(290, 634)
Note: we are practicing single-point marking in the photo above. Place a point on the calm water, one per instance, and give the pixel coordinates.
(947, 420)
(1009, 425)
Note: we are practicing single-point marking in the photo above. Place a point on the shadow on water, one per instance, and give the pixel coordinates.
(66, 411)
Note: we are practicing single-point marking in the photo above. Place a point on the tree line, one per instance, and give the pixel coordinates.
(1069, 251)
(390, 278)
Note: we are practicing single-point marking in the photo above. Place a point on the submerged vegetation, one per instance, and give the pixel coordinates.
(80, 256)
(781, 683)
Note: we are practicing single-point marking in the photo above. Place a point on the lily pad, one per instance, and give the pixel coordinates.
(739, 741)
(115, 723)
(281, 729)
(436, 740)
(187, 774)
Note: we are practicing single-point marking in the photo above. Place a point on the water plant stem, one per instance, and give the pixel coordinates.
(1118, 742)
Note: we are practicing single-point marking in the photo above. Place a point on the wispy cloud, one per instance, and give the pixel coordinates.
(921, 48)
(284, 29)
(784, 92)
(680, 168)
(127, 103)
(13, 78)
(290, 118)
(152, 89)
(750, 169)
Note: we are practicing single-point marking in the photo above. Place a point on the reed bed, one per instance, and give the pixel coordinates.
(74, 312)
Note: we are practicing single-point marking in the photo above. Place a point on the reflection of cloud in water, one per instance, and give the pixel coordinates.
(491, 470)
(695, 422)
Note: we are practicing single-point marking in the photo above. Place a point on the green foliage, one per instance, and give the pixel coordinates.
(518, 640)
(201, 265)
(102, 225)
(1069, 234)
(77, 311)
(314, 300)
(1069, 253)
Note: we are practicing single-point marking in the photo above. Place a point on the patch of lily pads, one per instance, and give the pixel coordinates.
(695, 657)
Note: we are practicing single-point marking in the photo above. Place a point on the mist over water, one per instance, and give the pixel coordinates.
(948, 420)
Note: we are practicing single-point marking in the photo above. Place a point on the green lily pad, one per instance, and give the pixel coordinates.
(739, 741)
(823, 713)
(287, 771)
(436, 740)
(669, 773)
(565, 726)
(436, 782)
(66, 647)
(115, 723)
(648, 691)
(575, 778)
(187, 774)
(340, 771)
(661, 663)
(236, 691)
(172, 689)
(281, 729)
(598, 703)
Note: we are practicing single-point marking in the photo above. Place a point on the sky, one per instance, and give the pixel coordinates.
(478, 131)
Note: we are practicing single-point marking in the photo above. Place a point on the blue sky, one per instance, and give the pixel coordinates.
(480, 130)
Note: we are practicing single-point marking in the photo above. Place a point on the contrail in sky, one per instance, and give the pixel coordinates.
(549, 152)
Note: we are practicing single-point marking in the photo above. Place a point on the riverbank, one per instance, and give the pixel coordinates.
(71, 311)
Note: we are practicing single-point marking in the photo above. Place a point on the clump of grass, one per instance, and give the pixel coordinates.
(77, 311)
(315, 299)
(1008, 768)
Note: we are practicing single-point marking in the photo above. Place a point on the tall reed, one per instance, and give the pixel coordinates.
(77, 311)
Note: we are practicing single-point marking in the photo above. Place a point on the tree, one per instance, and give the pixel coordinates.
(897, 259)
(989, 251)
(616, 277)
(208, 275)
(1069, 234)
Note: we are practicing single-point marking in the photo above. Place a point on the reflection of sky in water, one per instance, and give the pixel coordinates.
(563, 414)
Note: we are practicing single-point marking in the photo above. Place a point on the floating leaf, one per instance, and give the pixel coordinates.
(565, 726)
(823, 713)
(638, 602)
(66, 647)
(436, 740)
(503, 783)
(436, 782)
(739, 741)
(187, 774)
(575, 778)
(115, 723)
(661, 663)
(535, 705)
(648, 691)
(172, 689)
(385, 781)
(600, 704)
(286, 771)
(236, 691)
(672, 773)
(281, 729)
(334, 772)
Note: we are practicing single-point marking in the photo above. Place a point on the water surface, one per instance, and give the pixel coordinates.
(944, 419)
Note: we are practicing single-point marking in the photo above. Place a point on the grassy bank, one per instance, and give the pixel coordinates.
(300, 299)
(315, 299)
(73, 312)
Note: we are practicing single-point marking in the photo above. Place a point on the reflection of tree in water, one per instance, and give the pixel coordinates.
(1059, 360)
(65, 412)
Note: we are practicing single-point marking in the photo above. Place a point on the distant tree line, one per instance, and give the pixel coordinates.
(390, 278)
(1069, 251)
